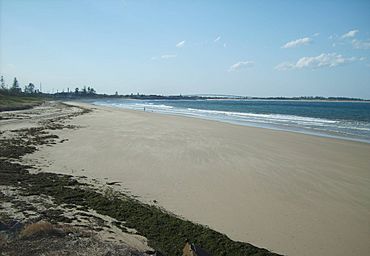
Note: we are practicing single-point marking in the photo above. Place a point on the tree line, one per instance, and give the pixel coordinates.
(15, 89)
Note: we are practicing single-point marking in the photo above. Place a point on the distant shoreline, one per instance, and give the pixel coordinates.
(65, 95)
(9, 97)
(288, 99)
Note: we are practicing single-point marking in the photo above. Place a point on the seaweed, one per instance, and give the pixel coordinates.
(165, 231)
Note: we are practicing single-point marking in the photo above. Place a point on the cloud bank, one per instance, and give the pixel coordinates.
(315, 62)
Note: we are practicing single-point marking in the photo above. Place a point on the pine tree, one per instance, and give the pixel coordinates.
(2, 83)
(15, 87)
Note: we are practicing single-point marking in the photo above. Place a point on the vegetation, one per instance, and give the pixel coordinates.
(166, 232)
(44, 238)
(41, 227)
(18, 102)
(13, 98)
(31, 90)
(15, 88)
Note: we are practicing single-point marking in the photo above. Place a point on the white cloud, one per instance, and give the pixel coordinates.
(225, 45)
(164, 56)
(320, 61)
(359, 44)
(350, 34)
(284, 66)
(316, 34)
(240, 65)
(298, 42)
(168, 56)
(180, 44)
(218, 38)
(356, 44)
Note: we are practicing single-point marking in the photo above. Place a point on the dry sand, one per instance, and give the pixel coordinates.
(291, 193)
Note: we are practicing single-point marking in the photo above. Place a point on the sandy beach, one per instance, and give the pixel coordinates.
(291, 193)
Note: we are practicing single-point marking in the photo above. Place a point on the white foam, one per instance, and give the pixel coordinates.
(277, 121)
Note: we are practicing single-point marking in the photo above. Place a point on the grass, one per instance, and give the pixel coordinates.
(43, 238)
(8, 102)
(166, 232)
(39, 228)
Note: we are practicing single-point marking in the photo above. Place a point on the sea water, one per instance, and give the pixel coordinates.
(346, 120)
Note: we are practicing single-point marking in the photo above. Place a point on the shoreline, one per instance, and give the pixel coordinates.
(303, 131)
(257, 185)
(61, 209)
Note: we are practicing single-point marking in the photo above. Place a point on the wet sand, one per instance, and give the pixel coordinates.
(291, 193)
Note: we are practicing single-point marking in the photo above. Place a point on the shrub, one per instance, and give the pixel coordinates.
(40, 228)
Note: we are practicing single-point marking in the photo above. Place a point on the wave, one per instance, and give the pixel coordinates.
(312, 125)
(277, 117)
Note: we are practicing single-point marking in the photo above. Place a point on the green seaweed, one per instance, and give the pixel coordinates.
(166, 232)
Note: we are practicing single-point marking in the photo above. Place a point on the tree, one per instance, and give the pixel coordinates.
(84, 91)
(91, 90)
(2, 83)
(30, 88)
(15, 87)
(76, 90)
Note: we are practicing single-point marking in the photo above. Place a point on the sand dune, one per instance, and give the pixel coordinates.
(291, 193)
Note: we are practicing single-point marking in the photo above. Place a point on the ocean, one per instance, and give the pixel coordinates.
(346, 120)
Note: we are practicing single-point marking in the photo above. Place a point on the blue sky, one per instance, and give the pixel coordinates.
(255, 48)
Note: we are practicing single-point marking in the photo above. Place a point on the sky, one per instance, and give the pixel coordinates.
(249, 48)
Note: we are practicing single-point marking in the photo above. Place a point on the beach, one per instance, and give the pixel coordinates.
(291, 193)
